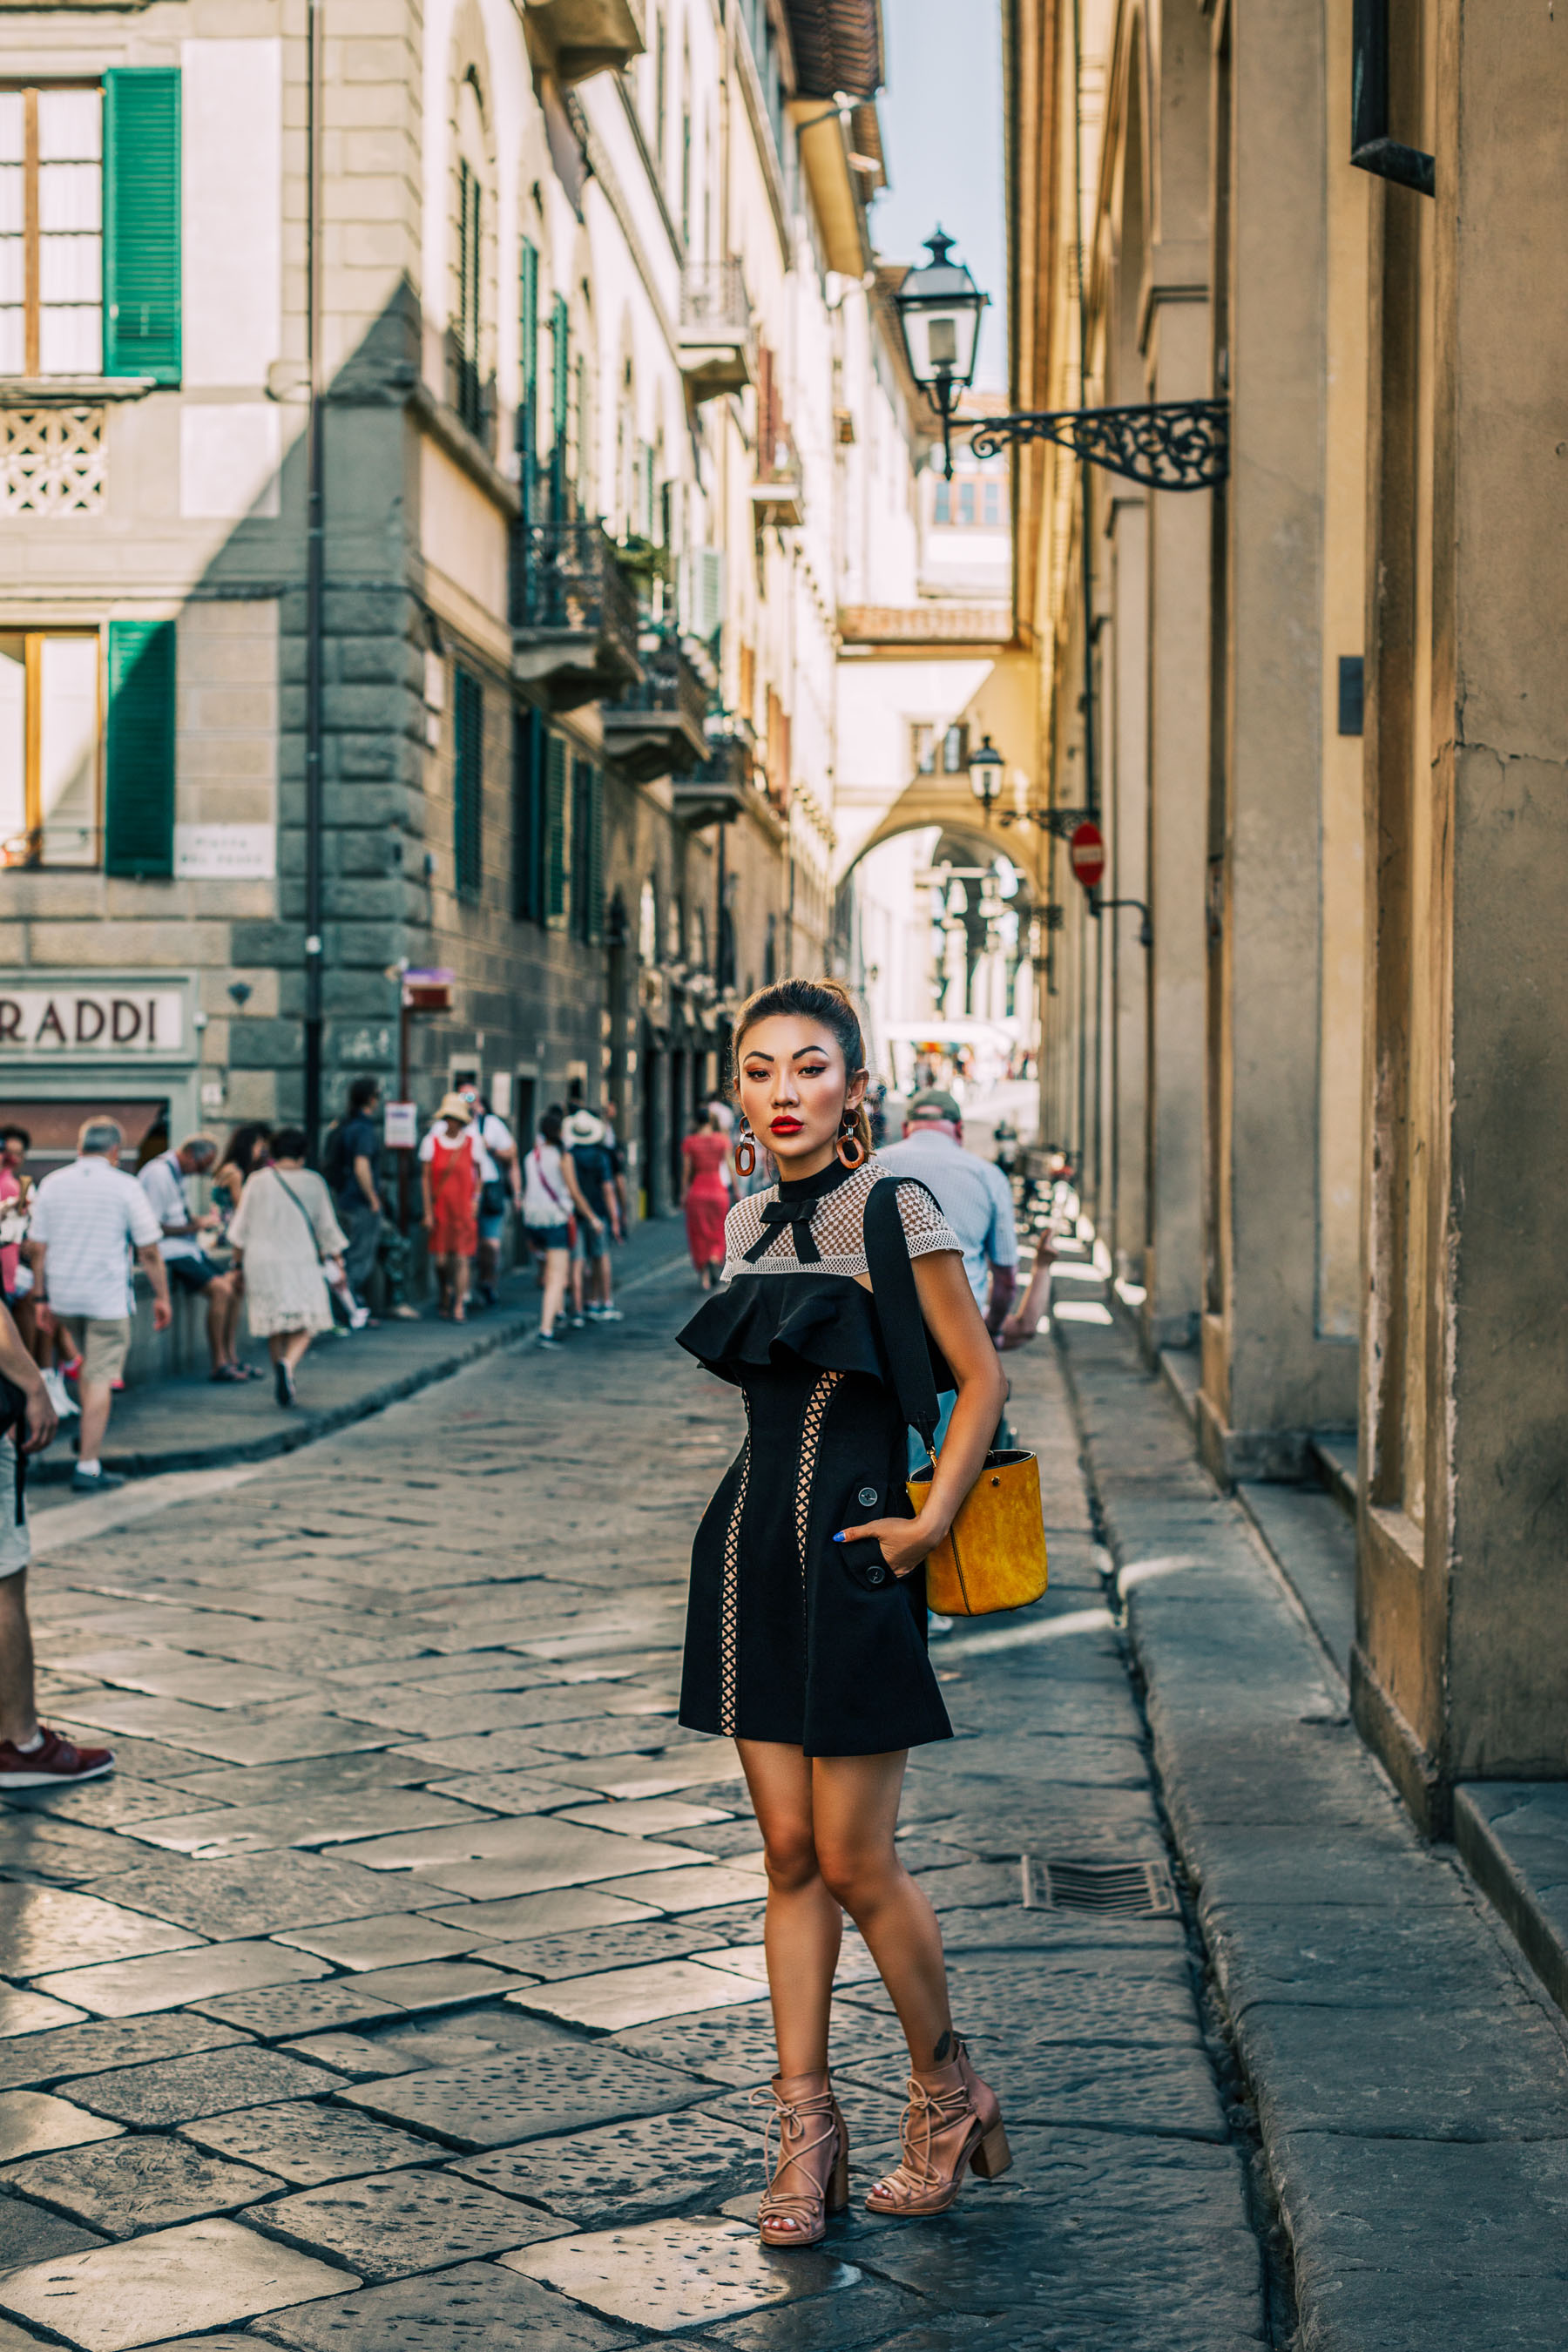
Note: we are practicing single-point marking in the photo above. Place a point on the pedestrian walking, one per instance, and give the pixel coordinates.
(449, 1181)
(618, 1162)
(31, 1756)
(500, 1179)
(806, 1631)
(86, 1220)
(353, 1171)
(706, 1193)
(549, 1210)
(595, 1170)
(164, 1180)
(976, 1198)
(288, 1241)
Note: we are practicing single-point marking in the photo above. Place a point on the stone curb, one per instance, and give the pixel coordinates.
(1411, 2088)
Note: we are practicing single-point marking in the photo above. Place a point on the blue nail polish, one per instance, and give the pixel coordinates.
(838, 1539)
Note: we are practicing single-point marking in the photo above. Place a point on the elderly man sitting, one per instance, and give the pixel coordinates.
(163, 1181)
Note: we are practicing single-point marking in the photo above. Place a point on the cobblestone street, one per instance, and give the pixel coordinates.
(404, 1988)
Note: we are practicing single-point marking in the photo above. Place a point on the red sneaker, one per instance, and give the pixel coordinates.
(56, 1764)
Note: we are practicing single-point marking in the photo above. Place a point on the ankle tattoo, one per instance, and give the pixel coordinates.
(943, 2051)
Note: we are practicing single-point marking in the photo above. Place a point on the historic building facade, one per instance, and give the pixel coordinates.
(419, 543)
(1318, 711)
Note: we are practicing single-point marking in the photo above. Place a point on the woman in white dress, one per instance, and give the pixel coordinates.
(285, 1234)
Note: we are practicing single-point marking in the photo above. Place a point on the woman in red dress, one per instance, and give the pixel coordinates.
(450, 1180)
(705, 1191)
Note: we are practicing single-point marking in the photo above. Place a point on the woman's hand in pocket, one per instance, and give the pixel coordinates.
(905, 1543)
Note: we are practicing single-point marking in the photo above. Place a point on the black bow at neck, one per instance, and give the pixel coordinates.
(796, 1206)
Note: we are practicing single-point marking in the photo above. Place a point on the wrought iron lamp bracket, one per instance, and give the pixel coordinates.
(1063, 823)
(1165, 445)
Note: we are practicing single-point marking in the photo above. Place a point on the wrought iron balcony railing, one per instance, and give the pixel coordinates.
(574, 612)
(778, 489)
(717, 334)
(656, 726)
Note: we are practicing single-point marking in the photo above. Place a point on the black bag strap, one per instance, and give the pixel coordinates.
(899, 1308)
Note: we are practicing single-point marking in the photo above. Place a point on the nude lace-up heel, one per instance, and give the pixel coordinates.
(811, 2179)
(952, 2120)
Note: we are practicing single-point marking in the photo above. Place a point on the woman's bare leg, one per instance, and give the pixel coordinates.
(803, 1924)
(556, 1262)
(855, 1814)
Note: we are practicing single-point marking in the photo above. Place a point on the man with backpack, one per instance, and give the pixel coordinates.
(30, 1756)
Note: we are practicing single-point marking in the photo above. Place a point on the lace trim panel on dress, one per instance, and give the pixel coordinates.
(837, 1227)
(815, 1413)
(730, 1603)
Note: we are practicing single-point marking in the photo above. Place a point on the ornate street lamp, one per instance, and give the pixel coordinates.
(939, 308)
(985, 768)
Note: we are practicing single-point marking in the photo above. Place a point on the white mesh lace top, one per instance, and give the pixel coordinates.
(827, 1232)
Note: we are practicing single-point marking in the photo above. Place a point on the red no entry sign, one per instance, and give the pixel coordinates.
(1086, 851)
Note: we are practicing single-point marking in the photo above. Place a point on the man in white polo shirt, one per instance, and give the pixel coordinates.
(86, 1220)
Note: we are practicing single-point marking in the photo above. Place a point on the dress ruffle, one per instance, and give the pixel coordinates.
(764, 1317)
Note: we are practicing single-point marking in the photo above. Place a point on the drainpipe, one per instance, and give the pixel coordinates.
(314, 559)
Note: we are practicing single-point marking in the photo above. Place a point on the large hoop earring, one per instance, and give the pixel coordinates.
(855, 1155)
(745, 1153)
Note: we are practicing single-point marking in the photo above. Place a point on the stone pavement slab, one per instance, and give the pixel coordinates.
(202, 2274)
(390, 2225)
(164, 1980)
(103, 2043)
(141, 2182)
(176, 2090)
(31, 2120)
(306, 2144)
(629, 2171)
(495, 2102)
(674, 2275)
(634, 1996)
(475, 2308)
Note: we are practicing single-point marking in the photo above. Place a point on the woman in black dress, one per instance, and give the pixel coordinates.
(805, 1633)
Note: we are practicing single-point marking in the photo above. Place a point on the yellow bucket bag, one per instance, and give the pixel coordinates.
(993, 1555)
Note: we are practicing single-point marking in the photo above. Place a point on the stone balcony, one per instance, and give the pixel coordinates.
(575, 618)
(718, 339)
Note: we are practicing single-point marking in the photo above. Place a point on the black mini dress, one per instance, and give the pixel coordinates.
(791, 1637)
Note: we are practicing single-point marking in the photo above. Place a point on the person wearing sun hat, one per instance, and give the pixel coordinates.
(449, 1181)
(594, 1165)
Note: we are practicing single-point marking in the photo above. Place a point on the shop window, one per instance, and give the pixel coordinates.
(991, 504)
(49, 736)
(943, 509)
(955, 751)
(922, 749)
(467, 782)
(967, 502)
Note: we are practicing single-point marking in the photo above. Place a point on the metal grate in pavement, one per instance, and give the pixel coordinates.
(1117, 1890)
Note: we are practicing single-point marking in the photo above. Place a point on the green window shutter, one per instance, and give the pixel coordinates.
(528, 412)
(468, 781)
(139, 782)
(142, 222)
(560, 404)
(528, 806)
(594, 859)
(554, 829)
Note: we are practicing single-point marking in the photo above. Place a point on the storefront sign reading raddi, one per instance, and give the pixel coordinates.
(123, 1018)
